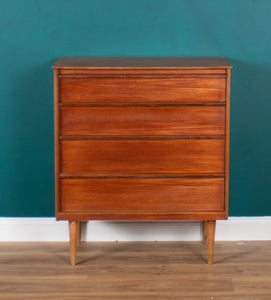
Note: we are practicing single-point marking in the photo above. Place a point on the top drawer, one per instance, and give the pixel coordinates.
(139, 90)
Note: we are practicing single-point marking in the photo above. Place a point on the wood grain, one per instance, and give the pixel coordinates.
(142, 156)
(170, 72)
(141, 215)
(111, 195)
(78, 232)
(135, 270)
(227, 141)
(73, 240)
(211, 240)
(56, 140)
(142, 139)
(184, 120)
(205, 230)
(142, 89)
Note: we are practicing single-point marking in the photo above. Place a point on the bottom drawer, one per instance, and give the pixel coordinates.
(131, 194)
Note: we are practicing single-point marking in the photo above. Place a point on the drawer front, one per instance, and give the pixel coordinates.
(172, 90)
(142, 156)
(138, 120)
(172, 194)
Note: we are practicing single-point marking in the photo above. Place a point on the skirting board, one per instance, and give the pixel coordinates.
(48, 229)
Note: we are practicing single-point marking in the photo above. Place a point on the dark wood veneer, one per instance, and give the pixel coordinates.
(141, 138)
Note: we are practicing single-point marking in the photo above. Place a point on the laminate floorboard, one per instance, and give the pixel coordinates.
(135, 270)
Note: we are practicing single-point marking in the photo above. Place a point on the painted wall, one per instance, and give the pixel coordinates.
(33, 33)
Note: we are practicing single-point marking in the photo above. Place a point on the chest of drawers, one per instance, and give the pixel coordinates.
(141, 139)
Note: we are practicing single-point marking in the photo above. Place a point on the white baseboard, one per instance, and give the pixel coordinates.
(48, 229)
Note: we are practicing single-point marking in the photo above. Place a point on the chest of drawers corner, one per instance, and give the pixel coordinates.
(141, 138)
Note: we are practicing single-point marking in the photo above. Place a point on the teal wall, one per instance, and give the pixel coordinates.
(33, 33)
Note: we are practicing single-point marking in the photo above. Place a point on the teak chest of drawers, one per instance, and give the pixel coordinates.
(141, 138)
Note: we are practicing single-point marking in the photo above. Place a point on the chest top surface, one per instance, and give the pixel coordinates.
(141, 63)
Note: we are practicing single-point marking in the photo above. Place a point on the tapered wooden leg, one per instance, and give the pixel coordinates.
(205, 230)
(78, 234)
(211, 239)
(73, 241)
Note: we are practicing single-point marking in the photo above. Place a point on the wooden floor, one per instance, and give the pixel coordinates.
(136, 270)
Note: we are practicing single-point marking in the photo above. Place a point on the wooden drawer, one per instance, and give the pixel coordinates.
(171, 194)
(136, 90)
(142, 156)
(139, 120)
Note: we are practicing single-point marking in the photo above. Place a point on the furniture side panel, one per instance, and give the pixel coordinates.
(56, 139)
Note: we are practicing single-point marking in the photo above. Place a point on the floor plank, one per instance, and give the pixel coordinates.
(136, 270)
